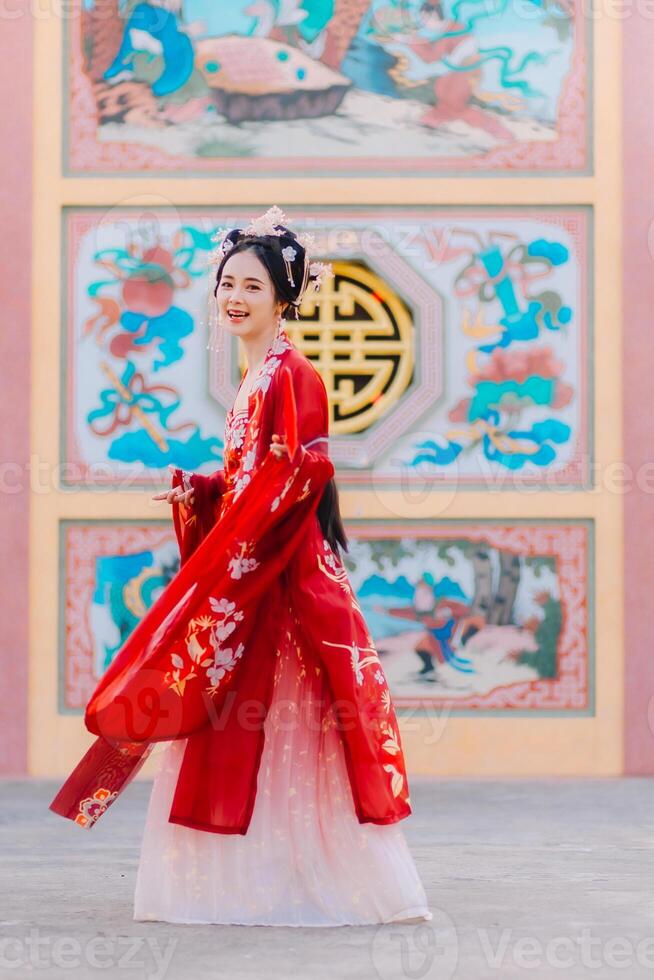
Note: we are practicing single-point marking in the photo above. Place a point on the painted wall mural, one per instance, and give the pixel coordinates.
(137, 395)
(285, 86)
(454, 343)
(112, 572)
(470, 616)
(479, 615)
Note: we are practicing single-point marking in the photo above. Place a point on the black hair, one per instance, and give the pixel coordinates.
(329, 517)
(268, 248)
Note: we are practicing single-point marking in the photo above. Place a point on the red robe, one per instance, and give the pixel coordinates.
(199, 665)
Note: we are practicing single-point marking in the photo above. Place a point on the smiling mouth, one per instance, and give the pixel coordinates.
(236, 315)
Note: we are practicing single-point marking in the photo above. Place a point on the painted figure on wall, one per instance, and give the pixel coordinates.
(458, 74)
(471, 619)
(208, 82)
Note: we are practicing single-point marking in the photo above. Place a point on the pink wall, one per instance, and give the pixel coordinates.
(638, 307)
(15, 262)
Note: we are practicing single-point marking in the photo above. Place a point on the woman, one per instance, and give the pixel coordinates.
(279, 793)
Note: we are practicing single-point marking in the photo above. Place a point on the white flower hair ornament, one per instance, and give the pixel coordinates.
(223, 246)
(289, 254)
(319, 271)
(266, 223)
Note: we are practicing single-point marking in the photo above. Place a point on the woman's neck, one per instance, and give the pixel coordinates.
(256, 349)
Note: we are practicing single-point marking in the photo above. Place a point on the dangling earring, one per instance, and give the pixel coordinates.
(213, 322)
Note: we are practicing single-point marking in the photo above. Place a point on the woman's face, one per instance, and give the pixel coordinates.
(245, 287)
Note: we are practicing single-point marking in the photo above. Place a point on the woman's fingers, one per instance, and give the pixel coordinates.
(168, 495)
(175, 496)
(278, 447)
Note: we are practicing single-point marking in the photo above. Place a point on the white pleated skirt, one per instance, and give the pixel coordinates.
(305, 860)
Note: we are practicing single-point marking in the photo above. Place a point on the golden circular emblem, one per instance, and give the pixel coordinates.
(360, 335)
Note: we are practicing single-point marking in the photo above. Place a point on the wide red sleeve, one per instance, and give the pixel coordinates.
(312, 409)
(193, 522)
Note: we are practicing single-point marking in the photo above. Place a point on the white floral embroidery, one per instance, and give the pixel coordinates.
(265, 375)
(243, 563)
(239, 566)
(391, 743)
(287, 486)
(203, 647)
(248, 458)
(226, 660)
(271, 362)
(240, 434)
(334, 569)
(358, 662)
(330, 558)
(241, 484)
(224, 607)
(379, 677)
(223, 630)
(280, 343)
(237, 435)
(397, 779)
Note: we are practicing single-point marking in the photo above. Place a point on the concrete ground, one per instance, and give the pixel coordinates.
(546, 879)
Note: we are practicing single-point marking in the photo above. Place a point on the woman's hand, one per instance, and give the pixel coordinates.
(176, 495)
(278, 447)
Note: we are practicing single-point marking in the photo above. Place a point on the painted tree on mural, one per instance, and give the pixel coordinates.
(457, 603)
(495, 605)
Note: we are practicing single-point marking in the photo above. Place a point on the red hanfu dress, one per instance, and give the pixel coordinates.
(282, 782)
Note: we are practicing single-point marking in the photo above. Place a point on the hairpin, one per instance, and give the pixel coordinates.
(289, 254)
